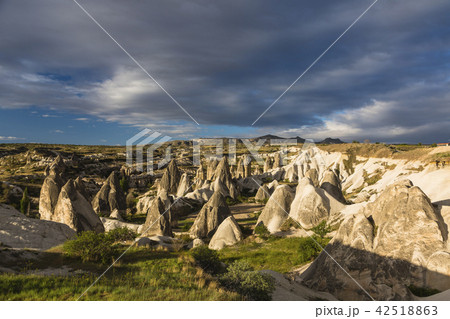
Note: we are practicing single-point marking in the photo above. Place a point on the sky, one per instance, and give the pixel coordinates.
(64, 80)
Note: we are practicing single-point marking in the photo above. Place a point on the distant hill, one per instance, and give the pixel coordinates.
(300, 140)
(268, 136)
(330, 140)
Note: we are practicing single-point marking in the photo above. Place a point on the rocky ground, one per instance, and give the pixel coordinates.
(381, 212)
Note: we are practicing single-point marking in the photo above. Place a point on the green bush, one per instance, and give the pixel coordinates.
(261, 230)
(25, 202)
(207, 258)
(121, 234)
(322, 229)
(252, 284)
(309, 249)
(124, 184)
(91, 247)
(288, 224)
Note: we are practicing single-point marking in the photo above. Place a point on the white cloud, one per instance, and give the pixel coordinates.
(10, 138)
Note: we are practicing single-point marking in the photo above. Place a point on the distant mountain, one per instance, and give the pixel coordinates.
(268, 136)
(299, 139)
(330, 140)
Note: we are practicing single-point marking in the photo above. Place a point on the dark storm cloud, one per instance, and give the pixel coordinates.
(226, 61)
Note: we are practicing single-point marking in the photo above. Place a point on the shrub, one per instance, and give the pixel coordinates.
(25, 202)
(322, 229)
(91, 247)
(121, 234)
(186, 226)
(230, 201)
(124, 184)
(288, 224)
(254, 285)
(261, 230)
(309, 249)
(207, 258)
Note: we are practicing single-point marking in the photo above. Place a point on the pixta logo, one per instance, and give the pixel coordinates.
(149, 142)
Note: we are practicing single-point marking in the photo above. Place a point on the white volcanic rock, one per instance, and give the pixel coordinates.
(212, 164)
(210, 217)
(110, 197)
(227, 234)
(309, 207)
(19, 231)
(111, 224)
(332, 185)
(171, 178)
(49, 196)
(396, 241)
(184, 185)
(313, 175)
(158, 220)
(75, 211)
(267, 164)
(262, 194)
(277, 208)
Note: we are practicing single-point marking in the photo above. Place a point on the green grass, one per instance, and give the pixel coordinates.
(251, 220)
(278, 254)
(135, 218)
(142, 274)
(185, 224)
(376, 176)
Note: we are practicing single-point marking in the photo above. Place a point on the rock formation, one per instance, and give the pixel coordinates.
(19, 231)
(262, 194)
(228, 233)
(313, 175)
(111, 224)
(158, 220)
(332, 185)
(201, 195)
(110, 197)
(247, 162)
(212, 214)
(212, 164)
(240, 170)
(57, 167)
(223, 181)
(309, 207)
(200, 177)
(277, 163)
(291, 173)
(75, 211)
(171, 178)
(49, 196)
(250, 184)
(184, 186)
(272, 186)
(80, 187)
(276, 210)
(267, 164)
(396, 241)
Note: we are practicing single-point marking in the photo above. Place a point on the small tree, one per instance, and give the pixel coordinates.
(124, 184)
(25, 202)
